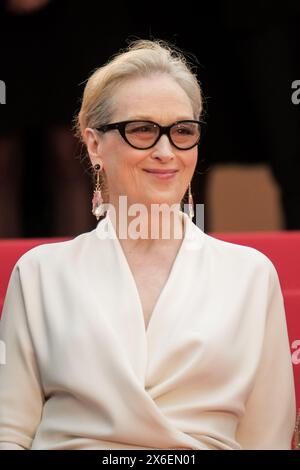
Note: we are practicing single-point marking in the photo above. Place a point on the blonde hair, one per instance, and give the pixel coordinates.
(142, 58)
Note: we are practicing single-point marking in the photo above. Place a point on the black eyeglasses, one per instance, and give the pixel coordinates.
(143, 135)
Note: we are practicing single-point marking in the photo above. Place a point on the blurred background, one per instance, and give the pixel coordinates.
(247, 57)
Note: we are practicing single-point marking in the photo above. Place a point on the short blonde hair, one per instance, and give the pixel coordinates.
(142, 58)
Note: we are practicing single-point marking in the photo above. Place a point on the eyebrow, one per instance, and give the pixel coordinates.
(149, 118)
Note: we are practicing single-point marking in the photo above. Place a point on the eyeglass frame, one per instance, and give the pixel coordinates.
(120, 126)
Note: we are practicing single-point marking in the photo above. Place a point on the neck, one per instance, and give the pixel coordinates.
(148, 229)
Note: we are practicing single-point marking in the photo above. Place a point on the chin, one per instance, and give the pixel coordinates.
(163, 200)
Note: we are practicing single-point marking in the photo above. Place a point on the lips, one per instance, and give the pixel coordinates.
(161, 172)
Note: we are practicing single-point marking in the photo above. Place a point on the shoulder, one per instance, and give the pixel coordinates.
(243, 272)
(55, 253)
(239, 258)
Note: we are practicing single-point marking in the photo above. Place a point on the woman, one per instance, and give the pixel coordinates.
(136, 341)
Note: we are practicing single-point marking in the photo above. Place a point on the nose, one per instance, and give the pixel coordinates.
(163, 149)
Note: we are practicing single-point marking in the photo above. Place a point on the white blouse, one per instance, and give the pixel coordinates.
(211, 371)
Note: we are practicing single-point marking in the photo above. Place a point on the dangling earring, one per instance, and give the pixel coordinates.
(191, 203)
(97, 201)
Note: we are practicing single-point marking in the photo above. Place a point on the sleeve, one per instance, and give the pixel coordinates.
(21, 396)
(270, 413)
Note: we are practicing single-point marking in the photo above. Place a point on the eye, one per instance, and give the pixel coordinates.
(141, 128)
(185, 129)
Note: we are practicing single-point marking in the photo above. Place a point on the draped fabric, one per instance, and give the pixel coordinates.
(212, 370)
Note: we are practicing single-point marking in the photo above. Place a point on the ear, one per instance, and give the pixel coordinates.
(93, 144)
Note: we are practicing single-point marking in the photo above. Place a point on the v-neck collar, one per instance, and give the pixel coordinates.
(146, 352)
(105, 229)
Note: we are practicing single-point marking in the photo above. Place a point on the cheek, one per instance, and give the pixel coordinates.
(132, 164)
(126, 157)
(194, 155)
(124, 165)
(190, 160)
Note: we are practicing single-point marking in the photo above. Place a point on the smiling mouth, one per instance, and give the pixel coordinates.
(162, 174)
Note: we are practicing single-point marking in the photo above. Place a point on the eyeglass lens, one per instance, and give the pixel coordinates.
(144, 134)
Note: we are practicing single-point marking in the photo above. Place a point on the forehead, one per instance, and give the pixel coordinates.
(158, 98)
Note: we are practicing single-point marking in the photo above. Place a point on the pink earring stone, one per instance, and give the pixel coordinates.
(191, 208)
(97, 204)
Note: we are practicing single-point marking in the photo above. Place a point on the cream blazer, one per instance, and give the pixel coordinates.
(211, 371)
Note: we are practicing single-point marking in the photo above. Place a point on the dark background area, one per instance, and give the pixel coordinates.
(247, 56)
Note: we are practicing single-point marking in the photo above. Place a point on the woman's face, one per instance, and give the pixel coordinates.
(160, 99)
